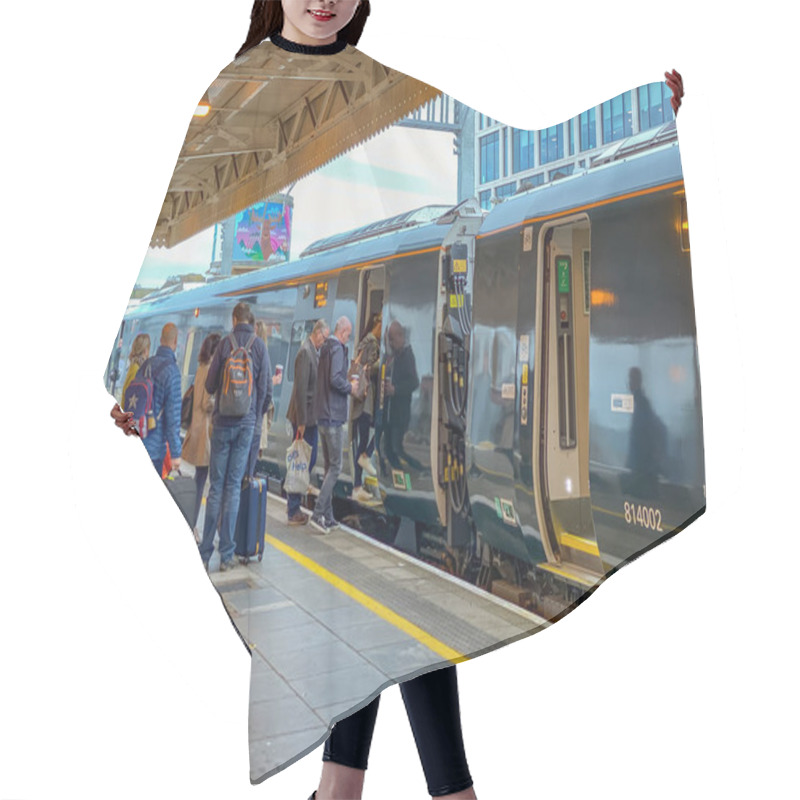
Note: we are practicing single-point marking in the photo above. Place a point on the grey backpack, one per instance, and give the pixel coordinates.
(236, 391)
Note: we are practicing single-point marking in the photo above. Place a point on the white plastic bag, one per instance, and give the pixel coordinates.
(298, 458)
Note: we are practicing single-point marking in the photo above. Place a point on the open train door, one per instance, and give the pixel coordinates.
(561, 404)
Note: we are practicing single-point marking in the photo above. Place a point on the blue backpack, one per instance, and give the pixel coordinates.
(139, 397)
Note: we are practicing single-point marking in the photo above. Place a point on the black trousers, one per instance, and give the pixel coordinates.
(431, 702)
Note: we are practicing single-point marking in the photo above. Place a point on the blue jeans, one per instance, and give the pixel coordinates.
(229, 450)
(332, 439)
(310, 436)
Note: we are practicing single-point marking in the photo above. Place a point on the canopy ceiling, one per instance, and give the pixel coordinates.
(275, 117)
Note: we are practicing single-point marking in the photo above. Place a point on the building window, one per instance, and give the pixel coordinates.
(654, 105)
(588, 130)
(505, 152)
(506, 190)
(531, 181)
(484, 121)
(571, 138)
(551, 144)
(522, 149)
(617, 118)
(561, 172)
(485, 199)
(490, 157)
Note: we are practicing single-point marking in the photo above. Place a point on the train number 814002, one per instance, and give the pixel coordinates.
(644, 516)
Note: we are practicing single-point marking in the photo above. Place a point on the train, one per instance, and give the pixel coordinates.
(554, 430)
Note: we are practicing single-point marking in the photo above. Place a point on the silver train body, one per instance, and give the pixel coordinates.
(555, 432)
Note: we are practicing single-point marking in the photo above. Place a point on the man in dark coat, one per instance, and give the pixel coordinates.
(301, 412)
(333, 398)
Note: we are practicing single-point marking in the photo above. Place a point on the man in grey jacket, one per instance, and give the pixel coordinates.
(301, 412)
(333, 394)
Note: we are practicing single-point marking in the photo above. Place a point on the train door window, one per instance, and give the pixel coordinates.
(300, 332)
(371, 299)
(277, 348)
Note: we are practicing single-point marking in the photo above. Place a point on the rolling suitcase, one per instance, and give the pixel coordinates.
(251, 523)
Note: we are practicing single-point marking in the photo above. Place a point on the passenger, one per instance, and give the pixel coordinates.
(399, 385)
(301, 412)
(163, 368)
(261, 415)
(333, 389)
(197, 443)
(140, 352)
(231, 436)
(362, 411)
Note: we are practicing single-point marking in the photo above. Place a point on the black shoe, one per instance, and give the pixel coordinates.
(228, 565)
(313, 795)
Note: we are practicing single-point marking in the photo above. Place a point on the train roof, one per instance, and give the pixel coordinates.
(405, 220)
(411, 231)
(644, 170)
(416, 235)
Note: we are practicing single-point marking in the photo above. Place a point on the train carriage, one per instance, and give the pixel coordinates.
(551, 426)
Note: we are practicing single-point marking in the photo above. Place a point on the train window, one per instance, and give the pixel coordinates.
(300, 332)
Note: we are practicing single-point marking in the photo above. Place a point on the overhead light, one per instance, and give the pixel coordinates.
(203, 108)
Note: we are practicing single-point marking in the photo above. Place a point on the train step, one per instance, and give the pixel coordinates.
(572, 574)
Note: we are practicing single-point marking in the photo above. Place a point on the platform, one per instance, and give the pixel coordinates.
(332, 619)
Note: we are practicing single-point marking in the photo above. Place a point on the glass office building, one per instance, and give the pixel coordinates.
(510, 160)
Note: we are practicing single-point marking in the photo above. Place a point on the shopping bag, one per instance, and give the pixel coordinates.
(298, 458)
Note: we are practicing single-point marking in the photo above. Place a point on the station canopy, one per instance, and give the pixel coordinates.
(272, 120)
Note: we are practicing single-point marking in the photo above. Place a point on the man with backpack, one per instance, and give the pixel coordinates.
(154, 397)
(238, 377)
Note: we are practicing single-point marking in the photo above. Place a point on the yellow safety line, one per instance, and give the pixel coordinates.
(369, 602)
(578, 543)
